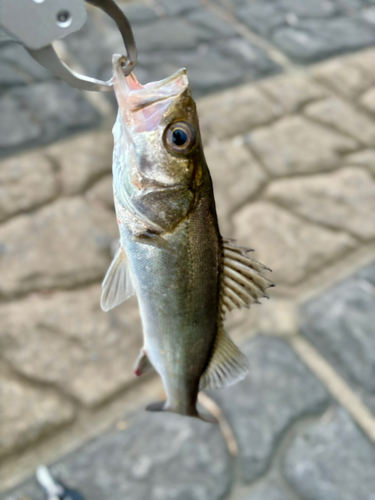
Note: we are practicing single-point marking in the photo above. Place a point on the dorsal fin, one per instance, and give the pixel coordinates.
(227, 364)
(242, 281)
(117, 284)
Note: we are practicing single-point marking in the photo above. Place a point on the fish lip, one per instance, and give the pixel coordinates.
(130, 84)
(142, 107)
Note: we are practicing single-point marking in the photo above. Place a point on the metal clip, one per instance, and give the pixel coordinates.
(42, 23)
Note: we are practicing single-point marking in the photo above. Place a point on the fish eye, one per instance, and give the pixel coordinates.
(179, 138)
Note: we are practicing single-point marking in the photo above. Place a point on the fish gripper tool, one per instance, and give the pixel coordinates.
(36, 24)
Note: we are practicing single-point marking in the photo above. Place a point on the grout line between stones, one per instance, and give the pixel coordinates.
(88, 425)
(338, 388)
(331, 126)
(328, 275)
(277, 56)
(336, 93)
(274, 467)
(40, 384)
(305, 219)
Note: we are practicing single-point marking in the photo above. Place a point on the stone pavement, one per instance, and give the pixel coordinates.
(293, 164)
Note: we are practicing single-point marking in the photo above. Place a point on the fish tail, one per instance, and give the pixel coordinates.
(163, 406)
(207, 418)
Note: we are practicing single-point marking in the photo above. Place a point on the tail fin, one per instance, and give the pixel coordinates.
(207, 418)
(161, 406)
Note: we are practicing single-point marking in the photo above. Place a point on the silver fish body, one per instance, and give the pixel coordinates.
(171, 252)
(178, 294)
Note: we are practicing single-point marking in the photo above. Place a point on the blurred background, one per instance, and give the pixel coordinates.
(286, 96)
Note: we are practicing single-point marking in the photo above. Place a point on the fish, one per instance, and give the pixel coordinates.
(185, 275)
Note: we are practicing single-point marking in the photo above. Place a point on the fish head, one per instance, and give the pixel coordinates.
(157, 149)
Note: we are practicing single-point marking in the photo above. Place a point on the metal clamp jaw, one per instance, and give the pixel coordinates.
(36, 24)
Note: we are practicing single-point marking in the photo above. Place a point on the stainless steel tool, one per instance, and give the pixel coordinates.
(36, 24)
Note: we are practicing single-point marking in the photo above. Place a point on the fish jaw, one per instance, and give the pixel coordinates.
(143, 106)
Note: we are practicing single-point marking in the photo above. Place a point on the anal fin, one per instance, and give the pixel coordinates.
(227, 365)
(117, 284)
(142, 365)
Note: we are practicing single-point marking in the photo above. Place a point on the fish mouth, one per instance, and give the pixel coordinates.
(143, 106)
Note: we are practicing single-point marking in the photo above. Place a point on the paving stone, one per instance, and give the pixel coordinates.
(26, 182)
(56, 108)
(340, 323)
(295, 145)
(161, 456)
(368, 15)
(236, 176)
(28, 412)
(364, 158)
(367, 100)
(271, 488)
(302, 248)
(167, 34)
(332, 459)
(314, 39)
(174, 8)
(350, 7)
(278, 390)
(20, 127)
(254, 60)
(102, 192)
(65, 339)
(4, 37)
(261, 16)
(291, 92)
(367, 274)
(247, 108)
(139, 13)
(309, 8)
(341, 200)
(17, 67)
(339, 115)
(232, 3)
(211, 25)
(347, 76)
(366, 60)
(63, 244)
(82, 160)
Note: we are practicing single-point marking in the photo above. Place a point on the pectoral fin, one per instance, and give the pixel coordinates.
(142, 365)
(117, 284)
(227, 365)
